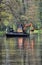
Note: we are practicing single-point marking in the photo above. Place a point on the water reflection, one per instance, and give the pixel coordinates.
(21, 51)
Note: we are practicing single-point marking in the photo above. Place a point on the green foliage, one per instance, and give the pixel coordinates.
(11, 9)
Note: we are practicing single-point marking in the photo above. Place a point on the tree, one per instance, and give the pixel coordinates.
(10, 11)
(14, 11)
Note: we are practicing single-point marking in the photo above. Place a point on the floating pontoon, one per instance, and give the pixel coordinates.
(17, 34)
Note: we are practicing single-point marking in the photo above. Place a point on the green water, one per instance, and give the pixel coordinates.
(11, 54)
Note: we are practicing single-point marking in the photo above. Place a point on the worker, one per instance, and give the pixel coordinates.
(20, 39)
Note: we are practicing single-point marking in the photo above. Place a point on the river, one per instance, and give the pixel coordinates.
(21, 51)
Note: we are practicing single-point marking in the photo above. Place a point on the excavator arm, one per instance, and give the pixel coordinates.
(28, 25)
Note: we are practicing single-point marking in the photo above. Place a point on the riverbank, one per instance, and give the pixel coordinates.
(35, 31)
(2, 33)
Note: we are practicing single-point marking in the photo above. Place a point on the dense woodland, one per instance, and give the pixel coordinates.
(24, 11)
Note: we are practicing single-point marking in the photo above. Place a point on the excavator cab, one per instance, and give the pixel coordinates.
(9, 29)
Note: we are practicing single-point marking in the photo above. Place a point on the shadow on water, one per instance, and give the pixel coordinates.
(21, 51)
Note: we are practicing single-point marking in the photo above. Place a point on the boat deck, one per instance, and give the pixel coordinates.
(16, 34)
